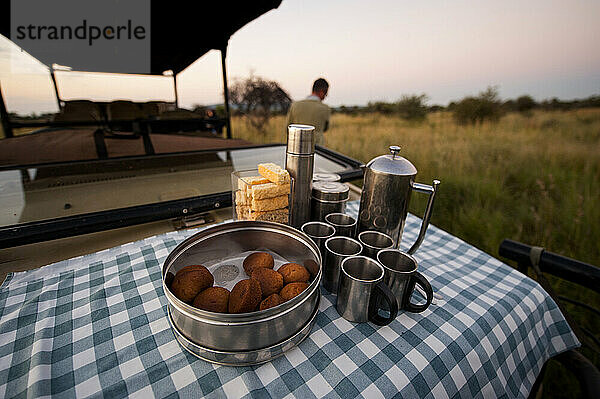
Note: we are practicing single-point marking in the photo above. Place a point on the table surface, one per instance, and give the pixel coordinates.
(97, 325)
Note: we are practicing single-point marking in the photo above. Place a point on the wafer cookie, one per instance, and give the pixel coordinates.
(274, 173)
(277, 215)
(269, 190)
(270, 204)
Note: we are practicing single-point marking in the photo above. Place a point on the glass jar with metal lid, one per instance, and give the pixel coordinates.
(328, 197)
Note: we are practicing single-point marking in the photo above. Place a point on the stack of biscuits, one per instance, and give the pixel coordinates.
(264, 197)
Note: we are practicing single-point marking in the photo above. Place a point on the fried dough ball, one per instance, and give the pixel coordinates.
(245, 296)
(213, 299)
(189, 281)
(258, 259)
(270, 281)
(291, 290)
(294, 273)
(271, 301)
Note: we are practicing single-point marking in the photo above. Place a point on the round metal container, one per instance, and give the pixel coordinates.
(321, 176)
(245, 358)
(244, 333)
(328, 197)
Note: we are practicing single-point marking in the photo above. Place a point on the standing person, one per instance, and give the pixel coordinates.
(311, 110)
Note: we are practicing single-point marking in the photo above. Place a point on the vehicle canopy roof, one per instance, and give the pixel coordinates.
(180, 33)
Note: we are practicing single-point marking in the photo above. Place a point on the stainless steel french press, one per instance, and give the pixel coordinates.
(388, 182)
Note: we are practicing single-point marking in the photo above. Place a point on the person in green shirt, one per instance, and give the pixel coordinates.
(312, 111)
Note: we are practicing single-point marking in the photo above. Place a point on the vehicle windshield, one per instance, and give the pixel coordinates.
(54, 191)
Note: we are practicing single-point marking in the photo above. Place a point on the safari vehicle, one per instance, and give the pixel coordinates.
(100, 174)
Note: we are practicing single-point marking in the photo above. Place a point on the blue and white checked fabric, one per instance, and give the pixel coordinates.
(97, 325)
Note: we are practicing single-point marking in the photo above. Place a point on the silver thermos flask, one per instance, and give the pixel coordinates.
(299, 162)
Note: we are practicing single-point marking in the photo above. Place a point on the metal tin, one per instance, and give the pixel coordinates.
(328, 197)
(245, 358)
(320, 176)
(330, 191)
(244, 332)
(299, 162)
(388, 184)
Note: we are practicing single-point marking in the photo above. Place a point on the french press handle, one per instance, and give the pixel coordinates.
(425, 189)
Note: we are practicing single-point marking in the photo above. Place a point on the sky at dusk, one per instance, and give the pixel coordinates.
(368, 51)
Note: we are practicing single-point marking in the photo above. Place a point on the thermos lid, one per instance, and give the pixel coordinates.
(301, 139)
(392, 164)
(326, 177)
(330, 191)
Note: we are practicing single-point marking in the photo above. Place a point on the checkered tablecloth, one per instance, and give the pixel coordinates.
(97, 325)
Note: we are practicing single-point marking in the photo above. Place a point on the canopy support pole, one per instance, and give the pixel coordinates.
(175, 88)
(226, 90)
(55, 89)
(6, 127)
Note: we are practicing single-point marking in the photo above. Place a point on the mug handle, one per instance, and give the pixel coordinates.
(418, 278)
(382, 292)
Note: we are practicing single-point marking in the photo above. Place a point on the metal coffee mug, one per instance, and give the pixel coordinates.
(345, 225)
(401, 276)
(336, 250)
(373, 242)
(319, 232)
(362, 290)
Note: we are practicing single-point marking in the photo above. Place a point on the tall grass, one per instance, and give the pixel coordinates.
(534, 179)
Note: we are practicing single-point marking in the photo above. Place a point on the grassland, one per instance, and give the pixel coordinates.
(534, 179)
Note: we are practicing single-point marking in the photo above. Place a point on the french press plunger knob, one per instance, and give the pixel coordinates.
(394, 149)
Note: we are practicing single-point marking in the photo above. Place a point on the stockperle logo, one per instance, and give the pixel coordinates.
(88, 35)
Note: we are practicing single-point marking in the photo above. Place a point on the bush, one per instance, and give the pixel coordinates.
(258, 99)
(509, 105)
(557, 105)
(486, 106)
(381, 107)
(348, 109)
(525, 104)
(412, 107)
